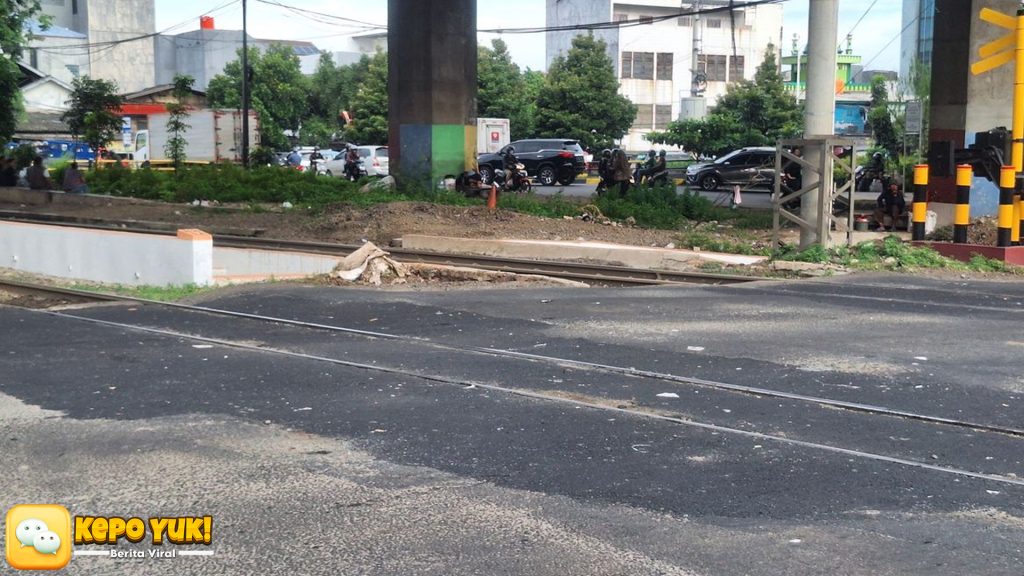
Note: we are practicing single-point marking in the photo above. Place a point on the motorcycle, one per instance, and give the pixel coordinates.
(514, 179)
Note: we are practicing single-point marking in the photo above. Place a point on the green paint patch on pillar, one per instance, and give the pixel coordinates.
(448, 150)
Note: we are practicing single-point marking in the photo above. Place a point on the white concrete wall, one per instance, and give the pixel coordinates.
(45, 97)
(104, 256)
(238, 264)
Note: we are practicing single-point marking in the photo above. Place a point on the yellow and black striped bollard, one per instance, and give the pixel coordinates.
(962, 216)
(1007, 178)
(920, 200)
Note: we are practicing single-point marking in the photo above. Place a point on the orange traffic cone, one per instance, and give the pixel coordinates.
(492, 198)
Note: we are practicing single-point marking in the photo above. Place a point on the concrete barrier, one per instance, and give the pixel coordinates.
(108, 256)
(231, 265)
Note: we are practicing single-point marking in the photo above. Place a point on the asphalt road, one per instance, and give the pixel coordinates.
(513, 432)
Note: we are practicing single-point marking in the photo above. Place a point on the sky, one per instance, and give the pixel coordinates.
(881, 25)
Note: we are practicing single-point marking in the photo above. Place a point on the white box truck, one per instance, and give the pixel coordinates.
(213, 136)
(492, 134)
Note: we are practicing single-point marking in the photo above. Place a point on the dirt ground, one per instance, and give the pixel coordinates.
(380, 223)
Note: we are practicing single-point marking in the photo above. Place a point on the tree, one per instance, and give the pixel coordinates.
(501, 90)
(880, 118)
(13, 37)
(92, 112)
(754, 112)
(370, 105)
(177, 122)
(580, 98)
(278, 92)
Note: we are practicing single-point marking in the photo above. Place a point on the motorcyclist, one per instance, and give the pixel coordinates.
(658, 172)
(645, 170)
(294, 158)
(352, 163)
(314, 159)
(509, 163)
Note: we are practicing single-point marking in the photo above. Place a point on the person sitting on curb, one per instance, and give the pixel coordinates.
(74, 182)
(37, 176)
(892, 204)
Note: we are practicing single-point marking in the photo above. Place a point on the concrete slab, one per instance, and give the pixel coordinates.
(616, 254)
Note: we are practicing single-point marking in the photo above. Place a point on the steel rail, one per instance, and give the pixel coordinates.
(643, 414)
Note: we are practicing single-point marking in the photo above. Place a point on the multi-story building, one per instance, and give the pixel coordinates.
(662, 44)
(917, 40)
(113, 42)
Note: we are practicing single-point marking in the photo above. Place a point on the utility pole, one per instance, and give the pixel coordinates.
(245, 87)
(799, 64)
(699, 75)
(819, 111)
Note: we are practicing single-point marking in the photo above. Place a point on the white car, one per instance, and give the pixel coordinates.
(373, 161)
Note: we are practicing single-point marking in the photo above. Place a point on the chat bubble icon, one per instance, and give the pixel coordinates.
(46, 542)
(28, 529)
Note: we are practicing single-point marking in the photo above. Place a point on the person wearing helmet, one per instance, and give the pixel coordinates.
(658, 172)
(604, 171)
(294, 158)
(314, 159)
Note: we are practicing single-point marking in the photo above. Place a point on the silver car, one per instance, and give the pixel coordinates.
(373, 161)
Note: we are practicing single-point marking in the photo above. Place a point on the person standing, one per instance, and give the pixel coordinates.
(314, 160)
(620, 171)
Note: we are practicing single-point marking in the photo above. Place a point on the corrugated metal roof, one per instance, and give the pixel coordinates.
(36, 29)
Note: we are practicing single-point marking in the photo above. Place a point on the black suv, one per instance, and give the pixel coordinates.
(549, 160)
(747, 167)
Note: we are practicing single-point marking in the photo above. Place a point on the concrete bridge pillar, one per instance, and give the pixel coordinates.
(432, 55)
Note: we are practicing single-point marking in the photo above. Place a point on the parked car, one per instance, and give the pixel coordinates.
(373, 161)
(549, 160)
(747, 167)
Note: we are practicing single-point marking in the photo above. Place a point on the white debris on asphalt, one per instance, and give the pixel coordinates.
(668, 395)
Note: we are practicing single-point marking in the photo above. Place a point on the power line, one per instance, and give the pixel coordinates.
(889, 43)
(540, 29)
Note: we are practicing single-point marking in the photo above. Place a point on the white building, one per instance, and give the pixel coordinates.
(654, 50)
(116, 42)
(353, 48)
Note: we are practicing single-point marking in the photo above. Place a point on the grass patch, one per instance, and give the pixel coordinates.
(891, 253)
(159, 293)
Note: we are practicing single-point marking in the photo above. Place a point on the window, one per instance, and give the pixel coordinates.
(74, 70)
(643, 65)
(662, 116)
(639, 65)
(664, 70)
(716, 68)
(643, 116)
(74, 6)
(33, 57)
(621, 17)
(647, 19)
(714, 23)
(735, 68)
(684, 21)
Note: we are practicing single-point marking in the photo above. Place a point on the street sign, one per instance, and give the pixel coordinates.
(1003, 50)
(913, 121)
(126, 131)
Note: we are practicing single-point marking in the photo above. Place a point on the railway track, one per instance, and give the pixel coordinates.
(162, 325)
(594, 273)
